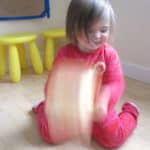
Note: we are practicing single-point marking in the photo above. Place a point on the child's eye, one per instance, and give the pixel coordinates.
(104, 30)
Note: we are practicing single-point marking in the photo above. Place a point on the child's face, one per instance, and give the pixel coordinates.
(98, 34)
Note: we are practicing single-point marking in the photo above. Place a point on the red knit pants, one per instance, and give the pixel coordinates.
(111, 133)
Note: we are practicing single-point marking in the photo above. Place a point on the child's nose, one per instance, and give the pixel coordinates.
(97, 34)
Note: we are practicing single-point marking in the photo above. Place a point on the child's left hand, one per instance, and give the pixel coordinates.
(101, 104)
(100, 113)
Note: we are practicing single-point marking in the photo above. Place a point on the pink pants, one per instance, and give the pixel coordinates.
(111, 133)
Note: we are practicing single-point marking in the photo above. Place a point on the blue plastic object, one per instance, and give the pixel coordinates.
(44, 13)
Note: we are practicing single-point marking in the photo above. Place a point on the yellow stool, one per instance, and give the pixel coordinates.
(17, 56)
(50, 36)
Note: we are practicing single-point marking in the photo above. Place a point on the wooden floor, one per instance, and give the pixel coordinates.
(17, 124)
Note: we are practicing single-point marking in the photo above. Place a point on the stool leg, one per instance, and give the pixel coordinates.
(2, 60)
(35, 58)
(49, 53)
(14, 64)
(22, 56)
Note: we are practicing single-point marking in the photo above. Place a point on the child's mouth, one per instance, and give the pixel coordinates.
(95, 43)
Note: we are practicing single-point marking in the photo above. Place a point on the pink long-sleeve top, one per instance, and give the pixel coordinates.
(113, 75)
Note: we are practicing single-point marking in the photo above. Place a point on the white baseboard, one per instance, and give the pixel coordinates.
(136, 72)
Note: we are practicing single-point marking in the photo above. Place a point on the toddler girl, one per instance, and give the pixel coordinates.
(89, 25)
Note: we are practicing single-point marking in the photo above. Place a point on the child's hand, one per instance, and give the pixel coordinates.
(100, 113)
(101, 105)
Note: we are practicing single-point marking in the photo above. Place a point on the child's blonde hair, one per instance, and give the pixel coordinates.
(82, 13)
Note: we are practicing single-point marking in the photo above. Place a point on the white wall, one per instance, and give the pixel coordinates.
(132, 37)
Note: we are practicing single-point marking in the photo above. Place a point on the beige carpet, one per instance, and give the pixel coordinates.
(17, 124)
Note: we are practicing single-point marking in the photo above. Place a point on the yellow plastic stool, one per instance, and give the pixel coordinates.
(50, 36)
(17, 56)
